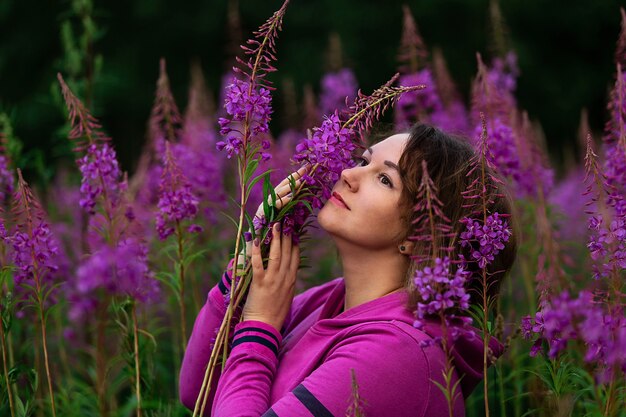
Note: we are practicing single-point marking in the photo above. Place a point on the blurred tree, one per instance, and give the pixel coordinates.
(564, 49)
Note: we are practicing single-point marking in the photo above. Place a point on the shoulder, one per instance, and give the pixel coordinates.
(308, 301)
(391, 366)
(397, 338)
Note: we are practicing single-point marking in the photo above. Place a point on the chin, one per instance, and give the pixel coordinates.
(322, 218)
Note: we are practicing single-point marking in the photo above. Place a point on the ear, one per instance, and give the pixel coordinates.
(406, 247)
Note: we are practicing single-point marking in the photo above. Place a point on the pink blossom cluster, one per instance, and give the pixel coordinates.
(566, 319)
(486, 238)
(101, 175)
(329, 150)
(443, 294)
(243, 99)
(337, 89)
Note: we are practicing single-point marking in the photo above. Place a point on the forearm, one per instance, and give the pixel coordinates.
(198, 352)
(245, 386)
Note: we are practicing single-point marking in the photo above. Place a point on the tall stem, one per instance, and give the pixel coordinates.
(101, 360)
(137, 364)
(486, 338)
(5, 366)
(181, 295)
(45, 354)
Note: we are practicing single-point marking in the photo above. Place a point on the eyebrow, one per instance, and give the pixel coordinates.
(388, 163)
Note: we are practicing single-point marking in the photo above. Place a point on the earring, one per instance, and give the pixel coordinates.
(402, 248)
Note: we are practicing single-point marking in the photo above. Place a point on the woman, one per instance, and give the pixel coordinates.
(296, 356)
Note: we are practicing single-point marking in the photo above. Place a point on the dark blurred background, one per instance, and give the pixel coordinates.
(565, 53)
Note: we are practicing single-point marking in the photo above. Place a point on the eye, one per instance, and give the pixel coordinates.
(385, 180)
(360, 161)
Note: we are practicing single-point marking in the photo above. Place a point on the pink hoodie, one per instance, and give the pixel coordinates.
(305, 370)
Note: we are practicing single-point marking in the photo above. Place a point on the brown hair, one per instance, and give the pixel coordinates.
(448, 160)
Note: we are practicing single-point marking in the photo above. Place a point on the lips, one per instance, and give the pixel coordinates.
(336, 198)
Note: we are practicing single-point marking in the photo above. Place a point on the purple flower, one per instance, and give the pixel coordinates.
(503, 151)
(486, 240)
(33, 248)
(202, 168)
(565, 319)
(443, 294)
(452, 118)
(504, 72)
(336, 87)
(176, 201)
(330, 149)
(439, 290)
(418, 104)
(100, 176)
(617, 110)
(6, 179)
(34, 254)
(119, 270)
(615, 165)
(244, 103)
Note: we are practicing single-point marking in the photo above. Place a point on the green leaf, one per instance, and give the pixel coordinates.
(255, 181)
(250, 170)
(267, 186)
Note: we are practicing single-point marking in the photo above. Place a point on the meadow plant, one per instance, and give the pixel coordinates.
(248, 105)
(34, 253)
(117, 265)
(440, 284)
(424, 104)
(6, 179)
(339, 85)
(454, 118)
(177, 206)
(485, 233)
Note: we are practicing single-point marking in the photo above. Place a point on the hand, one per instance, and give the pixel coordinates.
(271, 290)
(284, 194)
(283, 191)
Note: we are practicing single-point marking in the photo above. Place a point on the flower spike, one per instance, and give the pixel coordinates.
(86, 130)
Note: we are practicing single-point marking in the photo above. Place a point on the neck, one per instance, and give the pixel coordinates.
(370, 273)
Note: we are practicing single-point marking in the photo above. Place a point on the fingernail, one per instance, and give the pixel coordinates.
(277, 227)
(256, 242)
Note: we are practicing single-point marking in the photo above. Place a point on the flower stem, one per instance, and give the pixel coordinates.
(101, 359)
(181, 295)
(137, 362)
(45, 354)
(5, 366)
(486, 338)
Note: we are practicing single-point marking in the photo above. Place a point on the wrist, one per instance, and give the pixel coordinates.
(276, 324)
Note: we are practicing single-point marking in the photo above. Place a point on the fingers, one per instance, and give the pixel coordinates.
(275, 248)
(297, 176)
(294, 263)
(283, 191)
(285, 248)
(257, 261)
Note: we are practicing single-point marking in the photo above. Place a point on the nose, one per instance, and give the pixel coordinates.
(349, 178)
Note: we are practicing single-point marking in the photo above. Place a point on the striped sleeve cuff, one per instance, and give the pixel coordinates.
(258, 336)
(227, 278)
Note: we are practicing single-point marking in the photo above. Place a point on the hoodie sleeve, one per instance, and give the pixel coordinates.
(207, 324)
(391, 369)
(200, 343)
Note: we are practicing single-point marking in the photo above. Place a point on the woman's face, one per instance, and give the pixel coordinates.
(364, 208)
